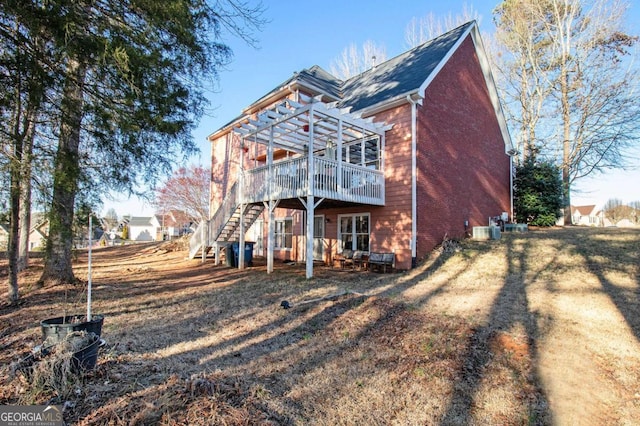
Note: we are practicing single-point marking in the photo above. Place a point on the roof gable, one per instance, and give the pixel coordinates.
(317, 77)
(584, 210)
(140, 221)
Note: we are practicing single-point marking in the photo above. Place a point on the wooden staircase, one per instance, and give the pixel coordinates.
(224, 226)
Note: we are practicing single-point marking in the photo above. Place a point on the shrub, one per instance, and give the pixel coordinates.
(537, 193)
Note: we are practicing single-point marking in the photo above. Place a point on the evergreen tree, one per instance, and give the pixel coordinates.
(537, 193)
(127, 89)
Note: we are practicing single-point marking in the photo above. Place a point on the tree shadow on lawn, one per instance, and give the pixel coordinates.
(490, 342)
(614, 251)
(269, 339)
(280, 336)
(272, 365)
(216, 298)
(211, 287)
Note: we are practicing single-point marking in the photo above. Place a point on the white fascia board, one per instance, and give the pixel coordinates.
(445, 59)
(493, 91)
(388, 104)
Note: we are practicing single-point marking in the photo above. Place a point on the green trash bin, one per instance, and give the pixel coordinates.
(229, 254)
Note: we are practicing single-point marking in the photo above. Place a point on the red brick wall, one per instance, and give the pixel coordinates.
(463, 171)
(225, 152)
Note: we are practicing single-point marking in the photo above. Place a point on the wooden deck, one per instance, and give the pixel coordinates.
(332, 180)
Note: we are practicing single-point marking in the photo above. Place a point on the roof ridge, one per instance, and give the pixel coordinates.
(415, 48)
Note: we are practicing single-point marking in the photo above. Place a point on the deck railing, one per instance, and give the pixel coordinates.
(289, 179)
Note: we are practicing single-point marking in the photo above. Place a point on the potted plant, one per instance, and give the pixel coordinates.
(60, 329)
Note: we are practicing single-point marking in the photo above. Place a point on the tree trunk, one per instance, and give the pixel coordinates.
(566, 152)
(58, 252)
(14, 200)
(25, 195)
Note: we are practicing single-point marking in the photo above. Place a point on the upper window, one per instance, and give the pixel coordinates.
(363, 152)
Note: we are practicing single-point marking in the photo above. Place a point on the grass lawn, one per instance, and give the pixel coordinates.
(536, 328)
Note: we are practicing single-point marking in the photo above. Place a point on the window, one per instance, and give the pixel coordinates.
(363, 152)
(284, 234)
(353, 232)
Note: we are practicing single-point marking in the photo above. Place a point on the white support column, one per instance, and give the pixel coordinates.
(310, 203)
(242, 206)
(241, 237)
(339, 158)
(216, 251)
(205, 238)
(382, 155)
(270, 205)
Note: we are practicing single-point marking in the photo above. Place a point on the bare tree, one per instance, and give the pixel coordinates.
(520, 60)
(186, 191)
(110, 219)
(420, 30)
(635, 206)
(354, 61)
(593, 109)
(615, 210)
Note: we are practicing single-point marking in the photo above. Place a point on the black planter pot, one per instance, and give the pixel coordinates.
(86, 358)
(54, 330)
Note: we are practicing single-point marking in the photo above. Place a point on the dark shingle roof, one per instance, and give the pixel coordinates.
(326, 82)
(400, 75)
(396, 77)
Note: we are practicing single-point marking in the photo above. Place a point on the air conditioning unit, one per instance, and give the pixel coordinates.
(486, 233)
(494, 232)
(509, 227)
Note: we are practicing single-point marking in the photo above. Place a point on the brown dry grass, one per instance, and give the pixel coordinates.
(537, 328)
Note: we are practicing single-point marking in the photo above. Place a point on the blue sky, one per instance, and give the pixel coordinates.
(301, 34)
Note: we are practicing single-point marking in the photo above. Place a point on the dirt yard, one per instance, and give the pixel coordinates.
(536, 328)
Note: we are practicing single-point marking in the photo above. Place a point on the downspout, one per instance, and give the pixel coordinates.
(511, 183)
(414, 207)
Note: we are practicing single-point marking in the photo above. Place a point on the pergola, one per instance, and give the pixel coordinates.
(312, 129)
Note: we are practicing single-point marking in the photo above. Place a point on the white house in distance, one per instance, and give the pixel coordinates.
(143, 228)
(586, 215)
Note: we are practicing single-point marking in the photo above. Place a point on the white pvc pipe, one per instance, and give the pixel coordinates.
(89, 274)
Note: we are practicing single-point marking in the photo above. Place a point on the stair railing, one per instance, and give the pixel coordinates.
(223, 214)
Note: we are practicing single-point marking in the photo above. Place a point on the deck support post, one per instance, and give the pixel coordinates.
(205, 239)
(310, 195)
(339, 159)
(271, 207)
(242, 204)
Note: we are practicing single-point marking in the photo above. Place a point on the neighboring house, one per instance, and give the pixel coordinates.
(173, 224)
(586, 215)
(395, 159)
(4, 236)
(38, 233)
(144, 228)
(106, 240)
